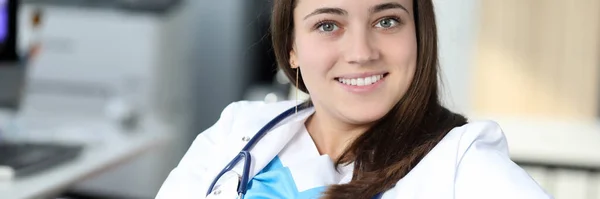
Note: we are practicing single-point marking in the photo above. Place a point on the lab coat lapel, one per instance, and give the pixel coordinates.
(275, 140)
(263, 152)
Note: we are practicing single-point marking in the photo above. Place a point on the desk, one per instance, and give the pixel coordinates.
(93, 160)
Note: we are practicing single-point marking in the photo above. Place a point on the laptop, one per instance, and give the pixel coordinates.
(20, 158)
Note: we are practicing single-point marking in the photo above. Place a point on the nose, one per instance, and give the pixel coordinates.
(360, 48)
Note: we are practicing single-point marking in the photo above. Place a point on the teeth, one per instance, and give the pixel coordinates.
(361, 81)
(368, 81)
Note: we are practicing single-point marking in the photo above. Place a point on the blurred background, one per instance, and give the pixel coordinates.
(101, 98)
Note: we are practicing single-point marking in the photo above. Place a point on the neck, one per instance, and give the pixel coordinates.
(332, 136)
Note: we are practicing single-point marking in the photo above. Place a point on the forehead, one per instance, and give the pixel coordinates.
(307, 6)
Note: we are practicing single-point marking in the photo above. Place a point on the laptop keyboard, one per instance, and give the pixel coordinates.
(30, 158)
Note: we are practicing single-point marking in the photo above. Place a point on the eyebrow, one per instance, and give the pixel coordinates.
(388, 6)
(374, 9)
(336, 11)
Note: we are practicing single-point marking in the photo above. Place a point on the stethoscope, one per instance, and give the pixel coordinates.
(245, 153)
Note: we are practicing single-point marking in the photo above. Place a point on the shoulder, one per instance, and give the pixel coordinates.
(192, 176)
(238, 119)
(261, 108)
(247, 116)
(483, 165)
(484, 135)
(471, 162)
(255, 112)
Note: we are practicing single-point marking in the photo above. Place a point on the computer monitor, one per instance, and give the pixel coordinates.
(12, 71)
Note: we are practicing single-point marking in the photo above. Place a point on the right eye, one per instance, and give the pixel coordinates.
(327, 27)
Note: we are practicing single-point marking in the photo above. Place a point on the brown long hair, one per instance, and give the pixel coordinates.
(397, 142)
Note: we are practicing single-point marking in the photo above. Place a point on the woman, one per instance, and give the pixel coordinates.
(373, 127)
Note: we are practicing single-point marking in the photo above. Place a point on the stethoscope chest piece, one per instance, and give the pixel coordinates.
(226, 186)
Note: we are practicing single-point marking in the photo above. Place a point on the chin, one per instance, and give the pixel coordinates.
(359, 115)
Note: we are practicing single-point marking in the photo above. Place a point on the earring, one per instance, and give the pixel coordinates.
(297, 88)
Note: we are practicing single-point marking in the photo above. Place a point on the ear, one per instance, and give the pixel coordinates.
(294, 58)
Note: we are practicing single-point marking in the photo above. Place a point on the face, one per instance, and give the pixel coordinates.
(357, 57)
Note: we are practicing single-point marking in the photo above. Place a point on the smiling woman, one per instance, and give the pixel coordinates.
(372, 128)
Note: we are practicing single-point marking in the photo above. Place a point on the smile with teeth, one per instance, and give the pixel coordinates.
(361, 81)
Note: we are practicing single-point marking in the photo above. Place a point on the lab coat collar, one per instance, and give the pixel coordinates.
(275, 140)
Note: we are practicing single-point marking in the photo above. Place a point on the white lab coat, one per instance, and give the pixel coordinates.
(471, 162)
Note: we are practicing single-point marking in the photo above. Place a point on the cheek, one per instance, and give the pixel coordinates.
(401, 52)
(316, 58)
(313, 52)
(401, 55)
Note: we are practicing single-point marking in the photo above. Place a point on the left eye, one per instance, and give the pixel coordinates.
(387, 23)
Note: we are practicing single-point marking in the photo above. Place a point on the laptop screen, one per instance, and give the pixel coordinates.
(8, 30)
(11, 72)
(3, 20)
